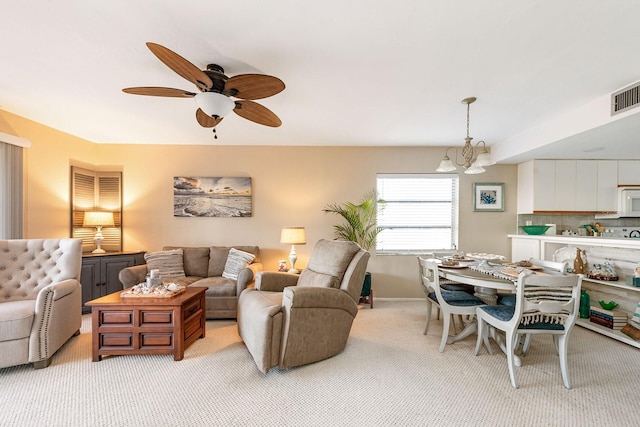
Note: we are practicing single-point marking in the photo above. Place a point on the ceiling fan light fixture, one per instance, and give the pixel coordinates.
(215, 104)
(473, 158)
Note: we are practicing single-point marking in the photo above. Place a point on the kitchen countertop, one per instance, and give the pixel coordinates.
(589, 240)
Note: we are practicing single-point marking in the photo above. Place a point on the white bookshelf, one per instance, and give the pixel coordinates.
(611, 333)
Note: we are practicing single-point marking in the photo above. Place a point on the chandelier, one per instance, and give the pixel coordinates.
(473, 158)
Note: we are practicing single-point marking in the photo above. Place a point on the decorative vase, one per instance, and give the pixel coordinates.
(585, 304)
(578, 263)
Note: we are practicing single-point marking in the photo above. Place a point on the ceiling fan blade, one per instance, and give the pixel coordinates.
(253, 86)
(159, 91)
(205, 120)
(181, 66)
(257, 113)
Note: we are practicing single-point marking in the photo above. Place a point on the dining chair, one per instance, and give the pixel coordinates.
(450, 302)
(510, 299)
(545, 304)
(557, 266)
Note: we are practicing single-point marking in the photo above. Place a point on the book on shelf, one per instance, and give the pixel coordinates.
(619, 324)
(614, 314)
(607, 317)
(632, 331)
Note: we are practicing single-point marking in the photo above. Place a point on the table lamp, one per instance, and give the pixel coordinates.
(98, 220)
(293, 236)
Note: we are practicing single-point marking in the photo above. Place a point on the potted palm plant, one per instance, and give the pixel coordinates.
(359, 226)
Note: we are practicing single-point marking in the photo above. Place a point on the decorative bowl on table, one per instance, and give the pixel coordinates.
(535, 229)
(608, 305)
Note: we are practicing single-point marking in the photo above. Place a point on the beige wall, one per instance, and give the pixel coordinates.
(46, 178)
(291, 185)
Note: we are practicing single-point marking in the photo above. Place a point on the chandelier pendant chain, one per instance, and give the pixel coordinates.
(474, 158)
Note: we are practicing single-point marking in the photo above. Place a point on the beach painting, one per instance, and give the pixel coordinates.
(223, 197)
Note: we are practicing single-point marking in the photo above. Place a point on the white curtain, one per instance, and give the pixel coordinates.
(10, 191)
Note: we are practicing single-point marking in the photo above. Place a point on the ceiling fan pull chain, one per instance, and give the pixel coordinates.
(215, 135)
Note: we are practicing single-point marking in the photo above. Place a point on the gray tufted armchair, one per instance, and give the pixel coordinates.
(40, 298)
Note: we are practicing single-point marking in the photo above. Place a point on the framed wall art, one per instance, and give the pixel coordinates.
(224, 197)
(488, 197)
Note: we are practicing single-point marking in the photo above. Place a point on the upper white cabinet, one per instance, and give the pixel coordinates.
(607, 186)
(629, 172)
(567, 185)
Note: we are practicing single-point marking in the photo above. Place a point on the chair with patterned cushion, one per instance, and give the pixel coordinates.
(290, 320)
(557, 266)
(510, 299)
(450, 302)
(545, 304)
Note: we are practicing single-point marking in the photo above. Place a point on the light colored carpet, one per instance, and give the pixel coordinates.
(389, 375)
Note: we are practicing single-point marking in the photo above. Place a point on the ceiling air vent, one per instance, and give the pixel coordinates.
(625, 99)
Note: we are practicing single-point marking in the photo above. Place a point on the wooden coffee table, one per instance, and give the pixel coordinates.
(147, 325)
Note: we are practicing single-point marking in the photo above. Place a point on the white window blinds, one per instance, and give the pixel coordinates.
(419, 214)
(11, 171)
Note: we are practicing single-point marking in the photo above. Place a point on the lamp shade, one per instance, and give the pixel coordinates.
(98, 219)
(446, 165)
(484, 158)
(215, 104)
(474, 169)
(293, 236)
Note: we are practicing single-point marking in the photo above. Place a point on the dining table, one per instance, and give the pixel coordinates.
(487, 278)
(486, 286)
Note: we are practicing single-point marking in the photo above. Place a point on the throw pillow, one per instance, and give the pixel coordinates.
(236, 261)
(314, 279)
(169, 263)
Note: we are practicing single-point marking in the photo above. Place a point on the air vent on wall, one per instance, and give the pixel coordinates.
(625, 99)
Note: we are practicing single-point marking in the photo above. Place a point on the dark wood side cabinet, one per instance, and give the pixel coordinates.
(99, 274)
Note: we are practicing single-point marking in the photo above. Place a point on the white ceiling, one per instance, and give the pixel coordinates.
(358, 72)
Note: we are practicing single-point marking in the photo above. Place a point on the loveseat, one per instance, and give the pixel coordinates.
(40, 298)
(224, 270)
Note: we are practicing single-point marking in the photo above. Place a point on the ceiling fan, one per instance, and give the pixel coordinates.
(216, 90)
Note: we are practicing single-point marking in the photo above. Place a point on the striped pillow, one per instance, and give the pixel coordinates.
(169, 263)
(236, 261)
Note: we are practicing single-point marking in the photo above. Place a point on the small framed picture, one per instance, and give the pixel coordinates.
(488, 197)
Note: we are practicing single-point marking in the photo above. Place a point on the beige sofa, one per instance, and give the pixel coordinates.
(204, 267)
(289, 320)
(40, 298)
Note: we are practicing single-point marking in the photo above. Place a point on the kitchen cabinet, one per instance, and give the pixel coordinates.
(533, 177)
(524, 248)
(585, 186)
(607, 191)
(629, 172)
(99, 273)
(567, 186)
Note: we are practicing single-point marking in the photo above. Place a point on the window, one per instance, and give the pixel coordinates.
(96, 190)
(11, 185)
(419, 214)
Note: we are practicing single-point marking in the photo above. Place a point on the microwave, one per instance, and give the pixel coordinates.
(629, 201)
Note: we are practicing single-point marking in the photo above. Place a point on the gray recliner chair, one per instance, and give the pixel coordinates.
(289, 320)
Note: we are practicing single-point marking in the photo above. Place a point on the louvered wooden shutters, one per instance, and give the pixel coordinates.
(96, 190)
